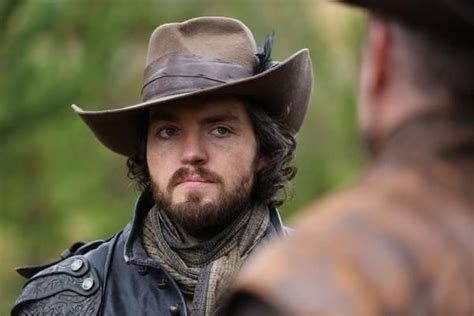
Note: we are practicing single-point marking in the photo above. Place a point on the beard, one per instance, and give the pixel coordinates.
(205, 220)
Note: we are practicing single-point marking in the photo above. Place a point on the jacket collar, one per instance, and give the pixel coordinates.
(134, 251)
(438, 146)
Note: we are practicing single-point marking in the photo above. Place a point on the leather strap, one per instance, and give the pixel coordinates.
(181, 73)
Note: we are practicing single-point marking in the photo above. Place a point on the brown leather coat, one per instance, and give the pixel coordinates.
(400, 242)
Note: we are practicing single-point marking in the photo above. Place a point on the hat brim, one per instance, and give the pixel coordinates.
(283, 92)
(449, 19)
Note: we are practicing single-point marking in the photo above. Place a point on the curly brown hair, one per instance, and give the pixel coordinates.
(276, 143)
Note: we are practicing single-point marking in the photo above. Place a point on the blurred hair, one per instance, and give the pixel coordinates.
(276, 144)
(437, 63)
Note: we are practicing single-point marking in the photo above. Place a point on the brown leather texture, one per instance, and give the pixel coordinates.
(400, 242)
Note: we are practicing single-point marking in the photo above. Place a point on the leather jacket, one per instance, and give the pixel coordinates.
(109, 277)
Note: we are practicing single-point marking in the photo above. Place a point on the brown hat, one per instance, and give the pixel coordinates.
(207, 56)
(452, 20)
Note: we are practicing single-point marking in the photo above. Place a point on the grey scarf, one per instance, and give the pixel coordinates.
(207, 269)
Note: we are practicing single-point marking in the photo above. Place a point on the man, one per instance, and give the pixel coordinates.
(401, 241)
(211, 147)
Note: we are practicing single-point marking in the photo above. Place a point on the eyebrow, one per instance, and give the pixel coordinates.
(163, 116)
(171, 117)
(225, 117)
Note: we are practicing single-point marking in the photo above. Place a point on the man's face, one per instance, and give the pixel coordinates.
(201, 157)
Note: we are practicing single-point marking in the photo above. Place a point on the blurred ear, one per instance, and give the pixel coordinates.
(375, 79)
(378, 57)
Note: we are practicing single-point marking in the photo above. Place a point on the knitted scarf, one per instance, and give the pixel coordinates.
(207, 269)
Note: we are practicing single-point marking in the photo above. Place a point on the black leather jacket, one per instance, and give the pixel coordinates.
(109, 277)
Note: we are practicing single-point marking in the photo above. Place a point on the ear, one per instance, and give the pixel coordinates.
(377, 57)
(261, 163)
(375, 78)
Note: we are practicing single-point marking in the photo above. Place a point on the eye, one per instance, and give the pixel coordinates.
(167, 132)
(220, 131)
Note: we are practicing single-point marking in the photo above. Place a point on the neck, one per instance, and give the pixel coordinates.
(187, 238)
(446, 136)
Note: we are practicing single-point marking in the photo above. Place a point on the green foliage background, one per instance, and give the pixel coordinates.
(59, 185)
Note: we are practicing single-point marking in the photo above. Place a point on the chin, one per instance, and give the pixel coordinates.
(196, 197)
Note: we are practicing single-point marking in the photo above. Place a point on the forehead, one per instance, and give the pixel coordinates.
(198, 108)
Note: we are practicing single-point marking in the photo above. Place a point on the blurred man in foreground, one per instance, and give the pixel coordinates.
(211, 147)
(401, 241)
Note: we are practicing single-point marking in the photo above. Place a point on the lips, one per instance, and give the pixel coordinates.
(193, 179)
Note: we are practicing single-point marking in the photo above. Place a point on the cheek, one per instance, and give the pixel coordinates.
(159, 166)
(234, 165)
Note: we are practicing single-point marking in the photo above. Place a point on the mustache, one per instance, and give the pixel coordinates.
(202, 172)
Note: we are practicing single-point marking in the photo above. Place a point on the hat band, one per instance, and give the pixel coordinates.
(181, 73)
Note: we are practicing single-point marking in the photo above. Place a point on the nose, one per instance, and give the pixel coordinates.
(194, 151)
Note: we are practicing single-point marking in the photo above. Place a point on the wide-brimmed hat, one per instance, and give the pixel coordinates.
(202, 57)
(452, 20)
